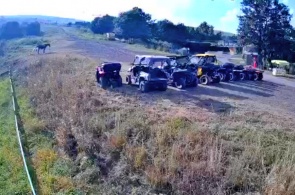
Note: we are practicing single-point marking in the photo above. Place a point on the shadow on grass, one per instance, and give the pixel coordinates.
(189, 97)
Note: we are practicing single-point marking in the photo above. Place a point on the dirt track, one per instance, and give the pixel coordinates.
(272, 94)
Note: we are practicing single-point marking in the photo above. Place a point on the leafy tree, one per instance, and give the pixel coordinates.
(165, 31)
(101, 25)
(265, 23)
(11, 30)
(33, 29)
(82, 24)
(206, 29)
(133, 24)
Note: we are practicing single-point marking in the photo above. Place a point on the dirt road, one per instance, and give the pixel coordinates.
(272, 94)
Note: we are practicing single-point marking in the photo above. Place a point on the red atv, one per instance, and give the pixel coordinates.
(108, 75)
(252, 73)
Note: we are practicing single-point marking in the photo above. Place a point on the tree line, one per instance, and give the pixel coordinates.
(137, 24)
(266, 24)
(263, 23)
(13, 29)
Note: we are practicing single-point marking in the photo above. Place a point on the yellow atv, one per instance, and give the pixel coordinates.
(205, 60)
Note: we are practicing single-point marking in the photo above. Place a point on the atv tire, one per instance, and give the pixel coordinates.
(163, 87)
(222, 76)
(128, 80)
(195, 82)
(260, 77)
(255, 76)
(242, 76)
(104, 82)
(180, 83)
(231, 76)
(204, 80)
(227, 77)
(216, 80)
(119, 81)
(143, 87)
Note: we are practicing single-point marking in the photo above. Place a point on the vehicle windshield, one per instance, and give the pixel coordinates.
(159, 62)
(196, 60)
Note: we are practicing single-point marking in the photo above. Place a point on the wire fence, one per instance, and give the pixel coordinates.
(18, 134)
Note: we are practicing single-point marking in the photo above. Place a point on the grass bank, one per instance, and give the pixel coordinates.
(13, 179)
(122, 148)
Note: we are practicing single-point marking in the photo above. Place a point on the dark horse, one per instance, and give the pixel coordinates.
(42, 47)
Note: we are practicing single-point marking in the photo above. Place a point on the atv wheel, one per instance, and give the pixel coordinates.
(163, 87)
(180, 83)
(143, 87)
(255, 76)
(242, 76)
(231, 76)
(222, 76)
(227, 77)
(204, 80)
(128, 80)
(104, 82)
(216, 80)
(195, 82)
(260, 77)
(97, 76)
(114, 84)
(119, 81)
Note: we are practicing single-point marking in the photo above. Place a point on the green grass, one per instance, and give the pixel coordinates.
(84, 33)
(53, 172)
(13, 179)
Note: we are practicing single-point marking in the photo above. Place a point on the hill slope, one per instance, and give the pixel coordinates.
(40, 18)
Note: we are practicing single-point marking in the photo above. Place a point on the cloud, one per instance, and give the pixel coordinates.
(230, 15)
(229, 21)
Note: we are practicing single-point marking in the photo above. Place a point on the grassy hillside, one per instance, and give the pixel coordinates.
(40, 18)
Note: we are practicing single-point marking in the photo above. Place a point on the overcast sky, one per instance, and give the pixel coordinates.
(219, 13)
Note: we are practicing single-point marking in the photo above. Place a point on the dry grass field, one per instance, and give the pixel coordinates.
(229, 138)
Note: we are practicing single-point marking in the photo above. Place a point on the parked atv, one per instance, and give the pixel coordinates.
(147, 73)
(253, 74)
(235, 72)
(205, 72)
(208, 74)
(108, 75)
(211, 60)
(240, 72)
(179, 76)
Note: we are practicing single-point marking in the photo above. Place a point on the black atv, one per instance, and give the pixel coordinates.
(179, 76)
(240, 72)
(146, 75)
(235, 72)
(205, 72)
(108, 75)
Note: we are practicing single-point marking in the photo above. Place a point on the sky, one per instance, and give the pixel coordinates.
(222, 14)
